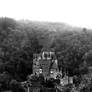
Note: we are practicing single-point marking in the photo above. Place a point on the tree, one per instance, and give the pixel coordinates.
(88, 57)
(5, 79)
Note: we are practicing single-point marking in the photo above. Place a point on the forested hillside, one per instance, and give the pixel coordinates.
(19, 40)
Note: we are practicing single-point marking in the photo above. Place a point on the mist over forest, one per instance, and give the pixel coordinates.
(19, 40)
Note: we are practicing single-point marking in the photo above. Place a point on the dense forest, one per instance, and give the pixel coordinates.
(19, 40)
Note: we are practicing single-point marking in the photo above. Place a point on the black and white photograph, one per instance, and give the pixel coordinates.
(45, 45)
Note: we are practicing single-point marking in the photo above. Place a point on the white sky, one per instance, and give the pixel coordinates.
(73, 12)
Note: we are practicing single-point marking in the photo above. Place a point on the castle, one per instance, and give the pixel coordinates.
(45, 63)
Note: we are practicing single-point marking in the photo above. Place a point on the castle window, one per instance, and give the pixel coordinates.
(40, 70)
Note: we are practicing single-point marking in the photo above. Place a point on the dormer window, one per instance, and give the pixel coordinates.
(48, 55)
